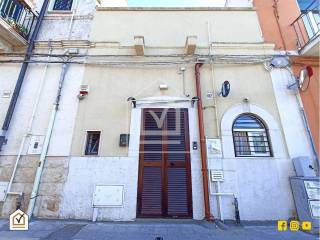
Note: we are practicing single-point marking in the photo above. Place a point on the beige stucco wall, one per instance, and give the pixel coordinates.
(106, 108)
(165, 32)
(166, 28)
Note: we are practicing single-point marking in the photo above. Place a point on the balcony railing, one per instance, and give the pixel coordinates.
(19, 15)
(307, 27)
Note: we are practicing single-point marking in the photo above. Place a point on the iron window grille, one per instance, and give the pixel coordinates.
(92, 143)
(62, 5)
(250, 137)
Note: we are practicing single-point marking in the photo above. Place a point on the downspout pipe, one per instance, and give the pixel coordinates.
(23, 71)
(208, 216)
(36, 184)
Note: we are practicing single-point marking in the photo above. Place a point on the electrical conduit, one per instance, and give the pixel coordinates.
(45, 147)
(28, 132)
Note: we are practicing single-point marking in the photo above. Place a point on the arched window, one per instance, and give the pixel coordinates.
(250, 137)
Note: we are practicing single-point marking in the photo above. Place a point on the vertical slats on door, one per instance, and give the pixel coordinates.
(177, 193)
(151, 165)
(177, 163)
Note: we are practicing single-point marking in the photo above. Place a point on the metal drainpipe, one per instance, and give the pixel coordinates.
(35, 189)
(23, 71)
(202, 145)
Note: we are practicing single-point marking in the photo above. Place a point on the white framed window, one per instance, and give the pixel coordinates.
(250, 137)
(61, 5)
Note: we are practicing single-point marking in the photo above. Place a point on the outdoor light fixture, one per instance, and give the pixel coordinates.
(163, 87)
(193, 100)
(133, 100)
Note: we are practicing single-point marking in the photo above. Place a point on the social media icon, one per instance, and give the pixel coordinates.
(306, 226)
(282, 225)
(294, 226)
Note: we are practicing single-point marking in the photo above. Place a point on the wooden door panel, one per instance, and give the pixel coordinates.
(151, 197)
(177, 192)
(164, 172)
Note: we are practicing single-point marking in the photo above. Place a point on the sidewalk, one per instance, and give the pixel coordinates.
(147, 230)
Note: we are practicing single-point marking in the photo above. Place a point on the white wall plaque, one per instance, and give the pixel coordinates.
(214, 148)
(108, 196)
(35, 146)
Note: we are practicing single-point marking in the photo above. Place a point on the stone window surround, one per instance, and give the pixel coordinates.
(276, 140)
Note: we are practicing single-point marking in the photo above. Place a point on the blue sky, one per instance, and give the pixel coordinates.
(172, 3)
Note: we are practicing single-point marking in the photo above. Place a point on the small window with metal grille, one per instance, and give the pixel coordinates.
(92, 143)
(62, 5)
(250, 137)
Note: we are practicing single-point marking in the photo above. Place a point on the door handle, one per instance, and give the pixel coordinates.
(172, 164)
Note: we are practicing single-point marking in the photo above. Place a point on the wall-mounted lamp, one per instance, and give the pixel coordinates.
(163, 87)
(246, 100)
(193, 100)
(133, 101)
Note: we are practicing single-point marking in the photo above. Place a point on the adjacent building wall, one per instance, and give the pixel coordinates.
(59, 32)
(276, 18)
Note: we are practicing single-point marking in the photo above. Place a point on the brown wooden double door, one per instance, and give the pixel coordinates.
(164, 188)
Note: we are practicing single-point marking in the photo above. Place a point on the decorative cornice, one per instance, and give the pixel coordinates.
(64, 44)
(67, 16)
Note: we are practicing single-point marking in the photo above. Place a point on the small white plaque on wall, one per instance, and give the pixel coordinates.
(214, 148)
(108, 196)
(35, 146)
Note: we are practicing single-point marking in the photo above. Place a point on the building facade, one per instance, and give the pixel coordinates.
(293, 26)
(160, 112)
(66, 25)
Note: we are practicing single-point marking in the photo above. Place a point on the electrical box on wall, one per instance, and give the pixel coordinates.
(214, 148)
(108, 196)
(35, 146)
(3, 189)
(124, 140)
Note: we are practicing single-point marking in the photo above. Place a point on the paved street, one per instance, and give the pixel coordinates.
(148, 230)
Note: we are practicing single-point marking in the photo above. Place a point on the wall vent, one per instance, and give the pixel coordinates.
(217, 176)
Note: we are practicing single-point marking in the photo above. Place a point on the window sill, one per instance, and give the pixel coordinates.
(59, 12)
(254, 157)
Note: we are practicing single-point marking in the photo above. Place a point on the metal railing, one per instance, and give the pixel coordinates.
(19, 15)
(307, 27)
